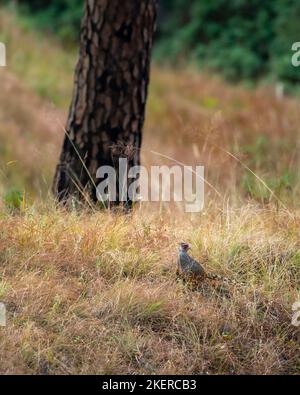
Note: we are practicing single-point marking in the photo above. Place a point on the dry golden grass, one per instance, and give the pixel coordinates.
(97, 293)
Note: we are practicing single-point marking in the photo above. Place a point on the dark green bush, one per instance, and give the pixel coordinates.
(60, 17)
(242, 39)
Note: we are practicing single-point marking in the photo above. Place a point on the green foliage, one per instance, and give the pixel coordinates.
(287, 31)
(261, 158)
(258, 150)
(14, 199)
(60, 17)
(280, 186)
(242, 39)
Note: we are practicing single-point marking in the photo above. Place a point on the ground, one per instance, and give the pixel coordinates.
(96, 291)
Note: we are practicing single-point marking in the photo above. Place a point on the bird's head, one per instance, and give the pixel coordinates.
(184, 247)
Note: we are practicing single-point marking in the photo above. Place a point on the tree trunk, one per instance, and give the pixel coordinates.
(111, 82)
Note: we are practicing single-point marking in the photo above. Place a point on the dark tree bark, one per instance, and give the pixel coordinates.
(111, 82)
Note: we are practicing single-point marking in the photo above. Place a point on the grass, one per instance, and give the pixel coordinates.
(97, 293)
(34, 59)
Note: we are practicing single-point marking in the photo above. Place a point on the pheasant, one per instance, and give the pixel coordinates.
(189, 267)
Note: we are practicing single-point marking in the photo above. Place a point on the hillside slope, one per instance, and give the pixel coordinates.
(29, 135)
